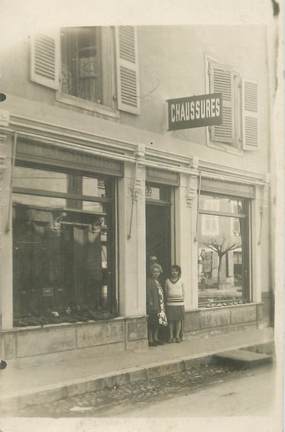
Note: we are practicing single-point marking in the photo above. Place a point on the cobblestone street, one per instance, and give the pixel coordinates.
(138, 397)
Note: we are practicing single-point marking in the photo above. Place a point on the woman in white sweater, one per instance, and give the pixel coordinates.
(174, 290)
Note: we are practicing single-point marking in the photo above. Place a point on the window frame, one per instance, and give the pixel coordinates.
(121, 88)
(110, 110)
(110, 214)
(247, 216)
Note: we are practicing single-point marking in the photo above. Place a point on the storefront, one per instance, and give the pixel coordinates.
(83, 229)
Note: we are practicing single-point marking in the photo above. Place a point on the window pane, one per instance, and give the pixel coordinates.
(221, 204)
(93, 207)
(82, 63)
(63, 249)
(95, 187)
(157, 192)
(152, 192)
(222, 261)
(61, 265)
(39, 201)
(39, 179)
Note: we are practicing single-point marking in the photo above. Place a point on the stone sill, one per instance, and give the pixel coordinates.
(67, 324)
(87, 105)
(224, 307)
(226, 148)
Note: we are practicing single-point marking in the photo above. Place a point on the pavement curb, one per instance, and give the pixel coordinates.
(128, 375)
(52, 393)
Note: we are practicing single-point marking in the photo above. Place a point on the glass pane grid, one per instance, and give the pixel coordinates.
(156, 192)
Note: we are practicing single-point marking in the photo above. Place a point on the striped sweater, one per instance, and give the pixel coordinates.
(174, 292)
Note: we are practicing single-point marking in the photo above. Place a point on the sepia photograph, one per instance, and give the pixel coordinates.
(141, 216)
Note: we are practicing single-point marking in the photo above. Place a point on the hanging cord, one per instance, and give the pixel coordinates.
(261, 211)
(13, 159)
(134, 198)
(198, 207)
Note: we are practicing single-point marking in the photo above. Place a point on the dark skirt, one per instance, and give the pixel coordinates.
(175, 313)
(153, 320)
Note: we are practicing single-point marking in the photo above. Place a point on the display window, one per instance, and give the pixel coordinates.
(63, 246)
(223, 255)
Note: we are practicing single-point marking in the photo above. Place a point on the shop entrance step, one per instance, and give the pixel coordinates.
(242, 357)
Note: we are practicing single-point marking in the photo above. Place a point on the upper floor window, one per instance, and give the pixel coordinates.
(81, 66)
(92, 66)
(239, 128)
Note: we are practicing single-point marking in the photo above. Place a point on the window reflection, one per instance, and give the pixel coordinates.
(39, 201)
(221, 204)
(157, 192)
(63, 247)
(222, 255)
(39, 179)
(94, 187)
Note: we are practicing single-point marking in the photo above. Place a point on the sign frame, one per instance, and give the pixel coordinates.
(195, 111)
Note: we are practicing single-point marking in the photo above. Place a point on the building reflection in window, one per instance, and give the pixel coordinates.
(223, 256)
(63, 247)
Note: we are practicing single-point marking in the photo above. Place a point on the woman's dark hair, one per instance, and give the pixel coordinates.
(177, 268)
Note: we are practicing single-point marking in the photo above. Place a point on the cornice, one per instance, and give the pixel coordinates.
(100, 145)
(25, 125)
(126, 151)
(230, 174)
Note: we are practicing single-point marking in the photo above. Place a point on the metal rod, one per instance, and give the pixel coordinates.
(75, 223)
(13, 159)
(133, 202)
(261, 211)
(198, 206)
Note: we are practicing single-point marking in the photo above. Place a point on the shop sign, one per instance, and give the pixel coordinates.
(195, 111)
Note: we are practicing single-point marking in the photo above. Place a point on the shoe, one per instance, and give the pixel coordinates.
(3, 364)
(177, 340)
(159, 342)
(171, 340)
(152, 344)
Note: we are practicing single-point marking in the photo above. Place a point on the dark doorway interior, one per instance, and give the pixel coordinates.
(158, 236)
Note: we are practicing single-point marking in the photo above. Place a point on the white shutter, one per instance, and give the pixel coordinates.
(45, 59)
(250, 112)
(221, 81)
(127, 69)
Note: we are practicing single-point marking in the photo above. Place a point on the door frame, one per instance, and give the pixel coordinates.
(170, 203)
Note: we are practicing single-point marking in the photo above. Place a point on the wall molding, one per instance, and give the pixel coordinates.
(127, 151)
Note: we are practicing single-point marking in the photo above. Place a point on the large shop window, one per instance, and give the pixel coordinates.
(223, 260)
(90, 66)
(63, 245)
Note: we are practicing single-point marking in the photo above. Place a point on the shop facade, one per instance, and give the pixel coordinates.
(94, 184)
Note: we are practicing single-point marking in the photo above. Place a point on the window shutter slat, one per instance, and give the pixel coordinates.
(127, 69)
(221, 81)
(45, 59)
(250, 115)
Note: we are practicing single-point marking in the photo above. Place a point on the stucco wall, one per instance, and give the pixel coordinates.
(171, 64)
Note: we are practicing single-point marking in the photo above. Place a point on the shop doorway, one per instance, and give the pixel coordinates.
(158, 227)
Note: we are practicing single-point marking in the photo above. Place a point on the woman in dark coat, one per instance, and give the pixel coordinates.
(155, 305)
(3, 364)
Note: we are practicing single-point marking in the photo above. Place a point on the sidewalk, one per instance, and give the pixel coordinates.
(47, 378)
